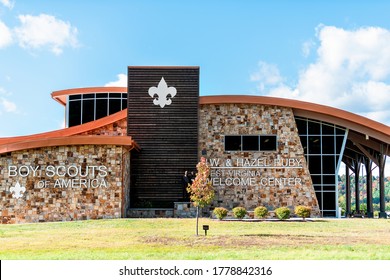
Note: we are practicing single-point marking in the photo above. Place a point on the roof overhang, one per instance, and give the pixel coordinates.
(60, 95)
(339, 117)
(70, 136)
(74, 130)
(69, 141)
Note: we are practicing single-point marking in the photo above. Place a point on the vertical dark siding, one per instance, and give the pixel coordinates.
(168, 136)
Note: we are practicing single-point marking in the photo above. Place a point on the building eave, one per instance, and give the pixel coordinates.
(68, 141)
(340, 117)
(61, 95)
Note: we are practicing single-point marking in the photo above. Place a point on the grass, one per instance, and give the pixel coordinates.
(361, 239)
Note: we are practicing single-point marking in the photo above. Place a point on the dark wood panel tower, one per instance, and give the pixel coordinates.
(163, 107)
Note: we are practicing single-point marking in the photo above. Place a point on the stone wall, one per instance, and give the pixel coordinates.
(126, 182)
(150, 213)
(87, 185)
(294, 186)
(118, 128)
(184, 210)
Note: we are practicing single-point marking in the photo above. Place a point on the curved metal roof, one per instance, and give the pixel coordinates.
(361, 128)
(301, 108)
(60, 95)
(310, 110)
(69, 136)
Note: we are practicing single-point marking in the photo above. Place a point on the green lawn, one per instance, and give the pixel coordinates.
(170, 239)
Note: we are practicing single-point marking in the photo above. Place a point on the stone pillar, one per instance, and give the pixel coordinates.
(347, 192)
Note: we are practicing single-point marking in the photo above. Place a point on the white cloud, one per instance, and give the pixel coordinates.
(8, 106)
(307, 47)
(266, 75)
(351, 71)
(41, 31)
(8, 3)
(121, 82)
(5, 104)
(62, 124)
(5, 35)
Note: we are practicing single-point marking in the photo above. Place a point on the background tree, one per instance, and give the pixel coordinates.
(363, 194)
(201, 190)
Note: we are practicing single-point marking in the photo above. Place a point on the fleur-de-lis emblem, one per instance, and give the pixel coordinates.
(163, 92)
(17, 191)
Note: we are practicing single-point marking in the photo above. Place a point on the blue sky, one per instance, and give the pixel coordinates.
(320, 51)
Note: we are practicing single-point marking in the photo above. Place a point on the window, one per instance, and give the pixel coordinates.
(101, 108)
(327, 129)
(88, 110)
(314, 128)
(83, 108)
(328, 145)
(232, 143)
(315, 165)
(74, 113)
(315, 145)
(329, 200)
(75, 97)
(302, 126)
(250, 143)
(115, 106)
(268, 143)
(322, 144)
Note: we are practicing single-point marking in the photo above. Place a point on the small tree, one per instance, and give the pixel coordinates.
(261, 212)
(303, 211)
(201, 190)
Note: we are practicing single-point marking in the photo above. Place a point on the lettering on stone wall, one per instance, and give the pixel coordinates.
(72, 176)
(250, 172)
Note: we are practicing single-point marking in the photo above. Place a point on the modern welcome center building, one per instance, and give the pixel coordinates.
(125, 150)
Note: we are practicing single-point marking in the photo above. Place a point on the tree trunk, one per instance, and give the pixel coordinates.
(197, 219)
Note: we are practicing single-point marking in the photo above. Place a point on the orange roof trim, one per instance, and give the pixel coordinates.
(304, 109)
(310, 110)
(60, 95)
(69, 136)
(68, 141)
(74, 130)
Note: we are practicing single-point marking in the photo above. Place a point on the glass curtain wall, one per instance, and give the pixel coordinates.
(323, 144)
(83, 108)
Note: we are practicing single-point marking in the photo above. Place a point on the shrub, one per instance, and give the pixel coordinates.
(283, 213)
(261, 212)
(303, 211)
(239, 212)
(220, 212)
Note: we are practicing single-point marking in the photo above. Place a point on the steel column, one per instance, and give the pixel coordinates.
(382, 213)
(357, 192)
(368, 165)
(347, 192)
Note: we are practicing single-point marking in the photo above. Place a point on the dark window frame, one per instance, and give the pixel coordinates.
(120, 99)
(241, 145)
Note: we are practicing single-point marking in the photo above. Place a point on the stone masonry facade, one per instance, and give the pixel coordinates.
(118, 128)
(74, 192)
(296, 186)
(111, 164)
